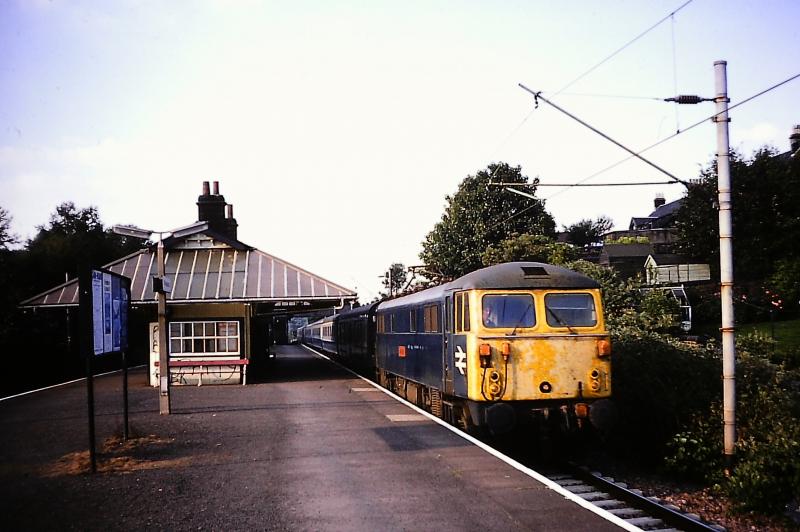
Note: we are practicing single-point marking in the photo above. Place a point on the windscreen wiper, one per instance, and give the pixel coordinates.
(524, 313)
(560, 320)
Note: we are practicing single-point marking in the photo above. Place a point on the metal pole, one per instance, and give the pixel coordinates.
(726, 263)
(163, 352)
(86, 347)
(125, 432)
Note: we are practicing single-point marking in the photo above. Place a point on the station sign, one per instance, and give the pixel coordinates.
(110, 303)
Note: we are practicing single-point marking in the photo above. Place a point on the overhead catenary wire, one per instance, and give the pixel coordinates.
(624, 46)
(581, 182)
(628, 184)
(538, 96)
(617, 96)
(665, 139)
(595, 67)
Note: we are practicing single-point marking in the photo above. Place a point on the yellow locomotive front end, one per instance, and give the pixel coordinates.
(538, 349)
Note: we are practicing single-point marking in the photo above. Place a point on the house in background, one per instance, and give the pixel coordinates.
(654, 235)
(647, 250)
(228, 302)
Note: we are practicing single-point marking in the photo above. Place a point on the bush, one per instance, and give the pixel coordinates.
(660, 385)
(696, 454)
(767, 472)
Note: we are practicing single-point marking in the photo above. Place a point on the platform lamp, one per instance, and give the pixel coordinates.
(161, 286)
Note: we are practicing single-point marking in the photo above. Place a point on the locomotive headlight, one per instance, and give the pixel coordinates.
(485, 354)
(505, 350)
(604, 348)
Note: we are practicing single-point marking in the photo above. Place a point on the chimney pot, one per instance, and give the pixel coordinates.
(229, 208)
(206, 190)
(216, 188)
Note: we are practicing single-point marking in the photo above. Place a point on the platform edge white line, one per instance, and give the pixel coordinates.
(494, 452)
(68, 382)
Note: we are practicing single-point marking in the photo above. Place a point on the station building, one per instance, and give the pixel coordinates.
(229, 302)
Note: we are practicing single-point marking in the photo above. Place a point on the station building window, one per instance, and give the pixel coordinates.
(193, 338)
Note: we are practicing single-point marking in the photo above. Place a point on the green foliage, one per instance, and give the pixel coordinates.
(395, 279)
(766, 215)
(767, 471)
(73, 238)
(626, 240)
(479, 215)
(7, 238)
(696, 454)
(660, 385)
(626, 305)
(785, 282)
(587, 232)
(767, 474)
(526, 247)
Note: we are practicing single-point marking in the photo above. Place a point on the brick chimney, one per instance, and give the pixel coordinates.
(211, 209)
(659, 201)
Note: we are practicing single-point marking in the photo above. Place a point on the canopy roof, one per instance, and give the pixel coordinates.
(205, 268)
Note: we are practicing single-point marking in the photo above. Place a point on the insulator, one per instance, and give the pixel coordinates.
(688, 99)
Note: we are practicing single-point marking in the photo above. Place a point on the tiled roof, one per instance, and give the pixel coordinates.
(203, 270)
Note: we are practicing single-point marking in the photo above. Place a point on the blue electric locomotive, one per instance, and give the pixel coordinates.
(502, 345)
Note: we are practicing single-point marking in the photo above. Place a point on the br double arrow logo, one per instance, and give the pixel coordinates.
(461, 360)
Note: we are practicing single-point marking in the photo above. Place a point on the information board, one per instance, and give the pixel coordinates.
(110, 301)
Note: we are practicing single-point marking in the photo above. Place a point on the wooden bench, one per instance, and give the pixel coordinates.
(210, 362)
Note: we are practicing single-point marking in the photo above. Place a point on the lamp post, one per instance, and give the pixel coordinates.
(161, 286)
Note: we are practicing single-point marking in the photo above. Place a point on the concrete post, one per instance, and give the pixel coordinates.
(726, 262)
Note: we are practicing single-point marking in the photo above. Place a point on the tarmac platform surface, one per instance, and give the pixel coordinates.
(311, 447)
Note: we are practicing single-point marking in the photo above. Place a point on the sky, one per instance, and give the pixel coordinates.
(337, 129)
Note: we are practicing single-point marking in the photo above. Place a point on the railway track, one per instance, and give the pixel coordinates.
(646, 513)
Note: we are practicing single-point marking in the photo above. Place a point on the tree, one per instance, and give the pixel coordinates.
(479, 215)
(7, 238)
(395, 278)
(534, 248)
(766, 215)
(587, 232)
(73, 238)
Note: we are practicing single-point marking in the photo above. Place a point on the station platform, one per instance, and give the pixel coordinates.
(311, 447)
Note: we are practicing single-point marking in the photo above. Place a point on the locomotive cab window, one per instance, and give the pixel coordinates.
(570, 310)
(508, 311)
(462, 312)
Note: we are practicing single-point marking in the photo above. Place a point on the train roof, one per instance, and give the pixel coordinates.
(363, 309)
(509, 275)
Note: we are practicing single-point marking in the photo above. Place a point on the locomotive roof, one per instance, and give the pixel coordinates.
(509, 275)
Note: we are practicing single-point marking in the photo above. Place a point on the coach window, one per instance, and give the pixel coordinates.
(412, 317)
(431, 318)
